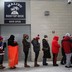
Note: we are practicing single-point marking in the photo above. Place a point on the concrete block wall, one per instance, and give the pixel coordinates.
(59, 20)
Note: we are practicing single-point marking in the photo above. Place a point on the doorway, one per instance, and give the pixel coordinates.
(17, 31)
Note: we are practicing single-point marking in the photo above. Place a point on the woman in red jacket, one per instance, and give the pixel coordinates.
(55, 49)
(67, 50)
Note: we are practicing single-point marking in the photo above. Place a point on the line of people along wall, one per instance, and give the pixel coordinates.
(66, 49)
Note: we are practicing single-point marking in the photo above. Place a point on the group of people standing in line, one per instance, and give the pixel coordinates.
(66, 46)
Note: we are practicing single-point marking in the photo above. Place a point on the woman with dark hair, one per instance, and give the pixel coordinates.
(26, 46)
(12, 52)
(46, 50)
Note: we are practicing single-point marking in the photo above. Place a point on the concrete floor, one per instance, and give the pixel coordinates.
(49, 68)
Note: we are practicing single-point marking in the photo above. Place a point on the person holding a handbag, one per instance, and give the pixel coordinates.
(46, 50)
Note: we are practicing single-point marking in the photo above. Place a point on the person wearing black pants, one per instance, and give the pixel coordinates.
(26, 56)
(26, 46)
(63, 60)
(2, 46)
(1, 61)
(36, 56)
(46, 50)
(36, 48)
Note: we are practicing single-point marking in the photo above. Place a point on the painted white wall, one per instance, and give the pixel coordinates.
(27, 10)
(59, 20)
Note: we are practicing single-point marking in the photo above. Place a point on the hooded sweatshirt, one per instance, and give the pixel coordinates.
(67, 45)
(55, 45)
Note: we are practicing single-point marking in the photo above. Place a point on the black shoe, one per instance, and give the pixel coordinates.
(62, 63)
(70, 66)
(45, 64)
(2, 67)
(55, 64)
(36, 65)
(67, 66)
(27, 66)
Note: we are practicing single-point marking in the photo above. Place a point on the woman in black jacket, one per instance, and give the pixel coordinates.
(26, 46)
(46, 50)
(36, 48)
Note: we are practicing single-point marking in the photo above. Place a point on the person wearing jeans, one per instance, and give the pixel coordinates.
(67, 49)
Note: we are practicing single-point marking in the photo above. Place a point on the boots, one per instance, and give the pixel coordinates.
(44, 62)
(36, 65)
(2, 67)
(26, 65)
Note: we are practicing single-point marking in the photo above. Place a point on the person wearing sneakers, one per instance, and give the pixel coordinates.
(36, 48)
(55, 49)
(2, 46)
(26, 46)
(67, 49)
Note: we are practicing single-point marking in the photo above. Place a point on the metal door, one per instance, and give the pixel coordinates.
(18, 31)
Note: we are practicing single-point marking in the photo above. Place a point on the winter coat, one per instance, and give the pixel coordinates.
(46, 49)
(36, 45)
(55, 45)
(11, 41)
(67, 45)
(2, 46)
(26, 45)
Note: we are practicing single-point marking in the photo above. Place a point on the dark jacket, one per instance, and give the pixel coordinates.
(46, 49)
(62, 49)
(36, 45)
(2, 47)
(45, 45)
(26, 45)
(11, 41)
(71, 45)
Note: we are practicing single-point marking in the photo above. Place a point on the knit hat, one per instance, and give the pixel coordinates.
(1, 38)
(37, 37)
(45, 36)
(67, 34)
(25, 36)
